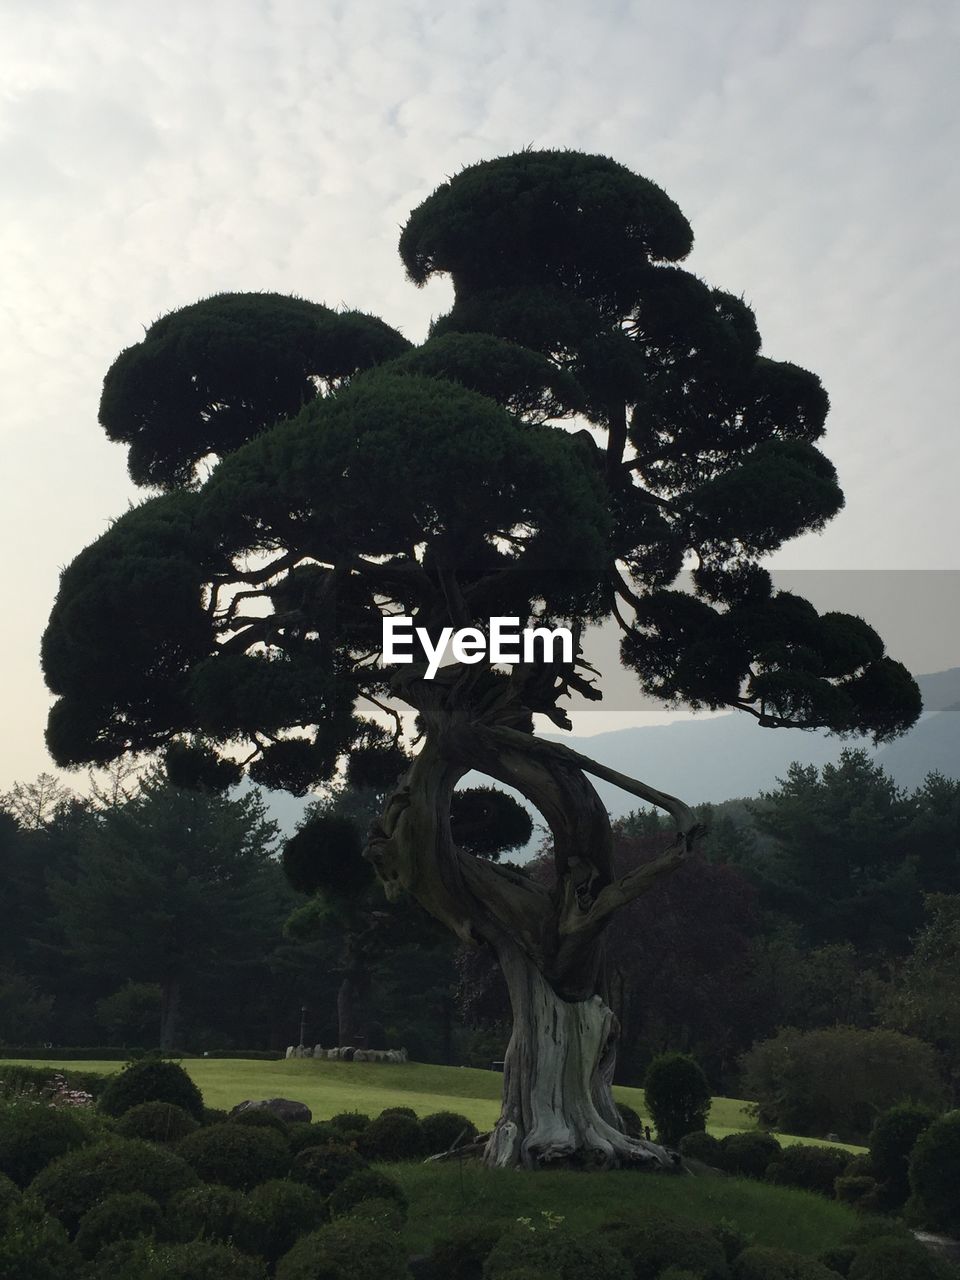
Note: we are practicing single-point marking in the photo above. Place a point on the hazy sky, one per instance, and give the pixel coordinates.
(152, 155)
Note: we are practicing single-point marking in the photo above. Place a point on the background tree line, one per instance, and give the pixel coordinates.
(149, 914)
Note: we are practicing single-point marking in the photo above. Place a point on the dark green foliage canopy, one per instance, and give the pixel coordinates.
(237, 616)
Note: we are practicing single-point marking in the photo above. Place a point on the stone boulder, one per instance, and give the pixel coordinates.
(283, 1108)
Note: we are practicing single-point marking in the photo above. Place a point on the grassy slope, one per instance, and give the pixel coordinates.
(441, 1196)
(329, 1087)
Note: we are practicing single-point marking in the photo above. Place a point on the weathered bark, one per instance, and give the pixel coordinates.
(557, 1098)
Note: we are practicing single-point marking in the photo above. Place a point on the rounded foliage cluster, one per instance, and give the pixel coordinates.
(324, 1168)
(195, 1260)
(345, 1250)
(892, 1139)
(350, 1122)
(652, 1241)
(443, 1129)
(123, 1216)
(557, 1252)
(762, 1263)
(382, 1213)
(678, 1096)
(903, 1259)
(151, 1080)
(462, 1251)
(156, 1122)
(809, 1168)
(319, 1133)
(279, 1212)
(208, 1212)
(236, 1155)
(702, 1146)
(749, 1154)
(36, 1246)
(260, 1118)
(74, 1183)
(368, 1184)
(33, 1134)
(935, 1173)
(393, 1136)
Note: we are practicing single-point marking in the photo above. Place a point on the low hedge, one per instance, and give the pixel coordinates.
(17, 1078)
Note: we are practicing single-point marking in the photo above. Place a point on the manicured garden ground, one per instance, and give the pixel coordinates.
(329, 1087)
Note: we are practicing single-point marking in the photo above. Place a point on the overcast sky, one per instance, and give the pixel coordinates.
(152, 155)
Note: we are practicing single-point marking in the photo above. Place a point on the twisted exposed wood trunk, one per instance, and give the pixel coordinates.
(557, 1098)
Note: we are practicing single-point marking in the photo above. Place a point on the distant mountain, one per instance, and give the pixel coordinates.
(727, 756)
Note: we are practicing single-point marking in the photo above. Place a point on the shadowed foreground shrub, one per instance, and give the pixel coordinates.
(759, 1263)
(32, 1134)
(893, 1259)
(461, 1253)
(346, 1250)
(34, 1246)
(325, 1168)
(119, 1217)
(279, 1213)
(156, 1122)
(368, 1184)
(559, 1253)
(808, 1168)
(703, 1147)
(651, 1242)
(393, 1136)
(198, 1260)
(208, 1212)
(236, 1155)
(749, 1154)
(935, 1174)
(444, 1128)
(892, 1139)
(74, 1183)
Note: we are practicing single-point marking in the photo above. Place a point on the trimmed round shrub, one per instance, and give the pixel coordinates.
(156, 1122)
(892, 1139)
(461, 1253)
(74, 1183)
(892, 1259)
(875, 1228)
(151, 1080)
(859, 1167)
(236, 1155)
(857, 1190)
(120, 1217)
(935, 1173)
(197, 1260)
(702, 1146)
(444, 1128)
(382, 1213)
(630, 1120)
(809, 1168)
(345, 1250)
(208, 1212)
(261, 1119)
(838, 1258)
(350, 1121)
(214, 1115)
(678, 1096)
(368, 1184)
(279, 1213)
(393, 1136)
(748, 1154)
(325, 1168)
(320, 1133)
(9, 1195)
(761, 1263)
(399, 1111)
(559, 1253)
(33, 1134)
(652, 1241)
(34, 1246)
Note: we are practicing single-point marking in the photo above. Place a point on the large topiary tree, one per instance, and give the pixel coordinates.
(587, 419)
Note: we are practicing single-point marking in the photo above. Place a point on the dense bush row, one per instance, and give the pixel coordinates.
(148, 1189)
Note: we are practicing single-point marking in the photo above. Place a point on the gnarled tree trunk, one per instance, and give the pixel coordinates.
(557, 1098)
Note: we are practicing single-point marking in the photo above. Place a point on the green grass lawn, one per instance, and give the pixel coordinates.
(329, 1087)
(443, 1195)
